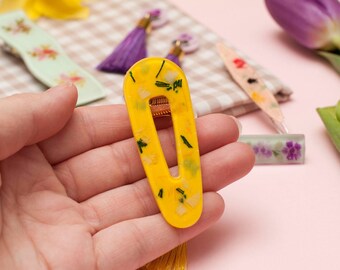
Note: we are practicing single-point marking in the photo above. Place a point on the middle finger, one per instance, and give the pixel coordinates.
(136, 200)
(119, 164)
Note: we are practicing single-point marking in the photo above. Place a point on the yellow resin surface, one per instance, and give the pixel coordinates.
(179, 198)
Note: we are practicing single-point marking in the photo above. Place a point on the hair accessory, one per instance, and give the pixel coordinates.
(156, 87)
(44, 57)
(133, 47)
(179, 198)
(330, 116)
(253, 85)
(61, 9)
(158, 17)
(184, 44)
(269, 149)
(277, 148)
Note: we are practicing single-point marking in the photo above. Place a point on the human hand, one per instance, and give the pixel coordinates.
(73, 191)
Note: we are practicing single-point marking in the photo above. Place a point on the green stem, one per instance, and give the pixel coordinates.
(337, 111)
(333, 43)
(336, 41)
(333, 58)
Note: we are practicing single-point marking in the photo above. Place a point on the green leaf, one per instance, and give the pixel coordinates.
(333, 58)
(186, 141)
(337, 111)
(331, 119)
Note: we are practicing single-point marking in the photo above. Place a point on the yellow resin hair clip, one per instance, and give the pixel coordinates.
(153, 87)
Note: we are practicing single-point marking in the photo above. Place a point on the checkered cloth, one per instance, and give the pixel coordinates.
(90, 41)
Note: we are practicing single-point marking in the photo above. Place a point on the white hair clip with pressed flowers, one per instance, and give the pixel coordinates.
(44, 57)
(280, 148)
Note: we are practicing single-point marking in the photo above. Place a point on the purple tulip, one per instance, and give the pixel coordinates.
(315, 24)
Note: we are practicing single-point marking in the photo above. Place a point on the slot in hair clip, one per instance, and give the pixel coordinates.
(281, 148)
(44, 57)
(184, 44)
(179, 198)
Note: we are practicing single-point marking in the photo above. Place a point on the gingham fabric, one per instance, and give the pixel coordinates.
(88, 42)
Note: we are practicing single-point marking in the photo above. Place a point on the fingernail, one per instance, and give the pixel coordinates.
(65, 84)
(238, 123)
(63, 90)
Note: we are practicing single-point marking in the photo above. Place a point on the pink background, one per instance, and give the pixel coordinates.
(277, 217)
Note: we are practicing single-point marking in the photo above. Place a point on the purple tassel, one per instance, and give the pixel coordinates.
(176, 53)
(129, 51)
(185, 43)
(174, 58)
(133, 47)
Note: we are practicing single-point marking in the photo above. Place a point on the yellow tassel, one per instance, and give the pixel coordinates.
(175, 259)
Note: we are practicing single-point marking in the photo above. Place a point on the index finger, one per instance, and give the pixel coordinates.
(89, 128)
(29, 118)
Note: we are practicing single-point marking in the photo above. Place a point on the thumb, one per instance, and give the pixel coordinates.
(29, 118)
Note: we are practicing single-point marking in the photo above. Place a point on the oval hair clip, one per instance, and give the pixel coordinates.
(179, 198)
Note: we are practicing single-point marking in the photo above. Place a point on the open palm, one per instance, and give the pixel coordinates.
(73, 191)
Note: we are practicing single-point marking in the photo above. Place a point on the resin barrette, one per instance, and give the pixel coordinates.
(281, 148)
(133, 47)
(179, 198)
(250, 81)
(45, 58)
(276, 148)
